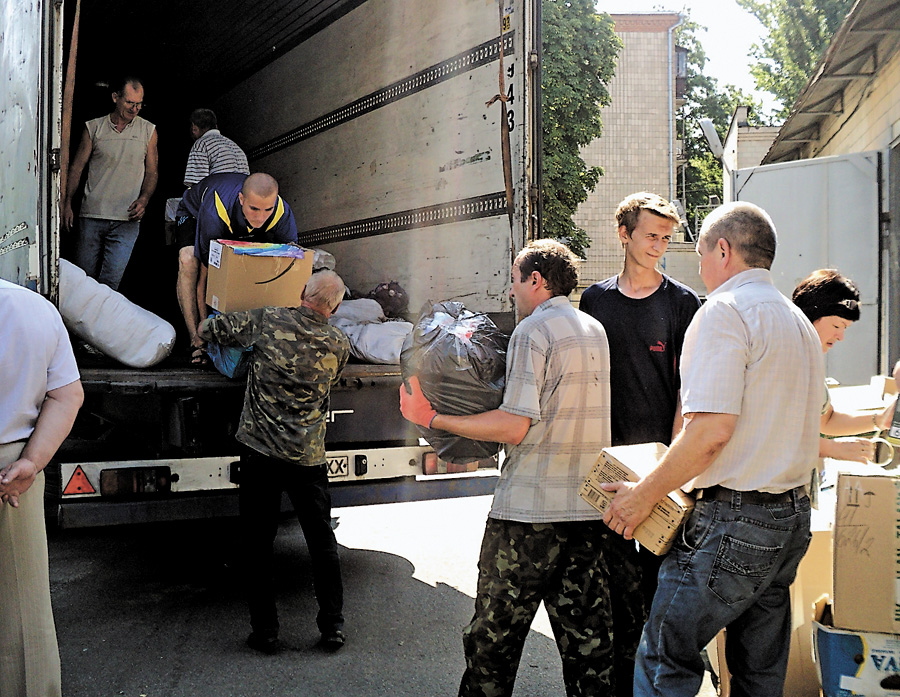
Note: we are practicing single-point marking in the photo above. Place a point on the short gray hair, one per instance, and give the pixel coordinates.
(748, 229)
(325, 289)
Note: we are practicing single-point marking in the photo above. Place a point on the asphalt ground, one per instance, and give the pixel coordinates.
(157, 610)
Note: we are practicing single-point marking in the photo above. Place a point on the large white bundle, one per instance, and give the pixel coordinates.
(323, 260)
(371, 338)
(110, 322)
(360, 310)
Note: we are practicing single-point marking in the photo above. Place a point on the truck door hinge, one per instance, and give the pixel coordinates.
(533, 60)
(54, 160)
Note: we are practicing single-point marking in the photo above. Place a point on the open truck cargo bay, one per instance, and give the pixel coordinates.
(379, 121)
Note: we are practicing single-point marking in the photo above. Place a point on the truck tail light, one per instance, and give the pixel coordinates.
(130, 481)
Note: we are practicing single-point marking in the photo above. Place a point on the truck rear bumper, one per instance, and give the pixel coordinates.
(222, 504)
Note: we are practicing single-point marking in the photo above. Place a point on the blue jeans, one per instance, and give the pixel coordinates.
(104, 248)
(732, 568)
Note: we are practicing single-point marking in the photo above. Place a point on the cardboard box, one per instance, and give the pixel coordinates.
(813, 580)
(247, 275)
(630, 463)
(884, 385)
(856, 663)
(715, 653)
(866, 555)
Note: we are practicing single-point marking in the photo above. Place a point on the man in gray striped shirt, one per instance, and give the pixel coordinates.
(212, 153)
(542, 542)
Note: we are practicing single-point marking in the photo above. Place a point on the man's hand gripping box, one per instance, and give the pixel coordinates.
(630, 463)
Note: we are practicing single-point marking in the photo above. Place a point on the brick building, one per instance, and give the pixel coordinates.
(637, 148)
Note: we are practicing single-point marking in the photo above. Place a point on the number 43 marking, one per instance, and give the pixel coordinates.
(510, 115)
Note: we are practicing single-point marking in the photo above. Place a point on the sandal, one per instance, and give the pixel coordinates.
(198, 357)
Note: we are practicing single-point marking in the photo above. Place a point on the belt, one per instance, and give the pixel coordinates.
(756, 498)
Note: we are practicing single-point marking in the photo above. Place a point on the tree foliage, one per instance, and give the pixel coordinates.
(799, 31)
(579, 59)
(704, 98)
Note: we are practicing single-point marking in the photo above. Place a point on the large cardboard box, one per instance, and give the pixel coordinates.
(247, 275)
(866, 554)
(630, 463)
(856, 663)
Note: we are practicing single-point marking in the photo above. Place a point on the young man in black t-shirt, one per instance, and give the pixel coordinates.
(645, 314)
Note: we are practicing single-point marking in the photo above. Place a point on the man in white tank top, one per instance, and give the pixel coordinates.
(120, 152)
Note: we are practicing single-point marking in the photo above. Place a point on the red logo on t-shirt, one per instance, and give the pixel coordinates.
(660, 347)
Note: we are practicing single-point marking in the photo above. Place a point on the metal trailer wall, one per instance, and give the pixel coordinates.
(373, 115)
(333, 120)
(827, 214)
(30, 66)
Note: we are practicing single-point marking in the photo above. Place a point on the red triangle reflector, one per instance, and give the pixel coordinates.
(79, 484)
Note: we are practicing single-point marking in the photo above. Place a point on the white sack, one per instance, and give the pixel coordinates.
(361, 310)
(372, 339)
(374, 342)
(323, 260)
(110, 322)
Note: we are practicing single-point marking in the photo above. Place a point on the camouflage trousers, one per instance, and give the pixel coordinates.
(589, 580)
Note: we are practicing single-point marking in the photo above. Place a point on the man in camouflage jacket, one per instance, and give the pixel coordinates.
(297, 358)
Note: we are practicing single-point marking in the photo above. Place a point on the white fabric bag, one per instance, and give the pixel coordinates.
(372, 337)
(110, 322)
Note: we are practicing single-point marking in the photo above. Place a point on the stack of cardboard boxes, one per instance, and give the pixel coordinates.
(857, 649)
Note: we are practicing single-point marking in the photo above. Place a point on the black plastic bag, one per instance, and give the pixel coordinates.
(393, 299)
(460, 360)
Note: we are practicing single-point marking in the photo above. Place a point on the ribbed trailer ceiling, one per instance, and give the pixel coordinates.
(210, 43)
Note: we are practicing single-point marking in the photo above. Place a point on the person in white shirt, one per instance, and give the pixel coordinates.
(40, 397)
(752, 375)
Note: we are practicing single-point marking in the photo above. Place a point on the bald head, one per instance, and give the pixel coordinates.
(748, 229)
(260, 184)
(324, 292)
(258, 198)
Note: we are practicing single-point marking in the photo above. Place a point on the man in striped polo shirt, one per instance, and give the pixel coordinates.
(211, 153)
